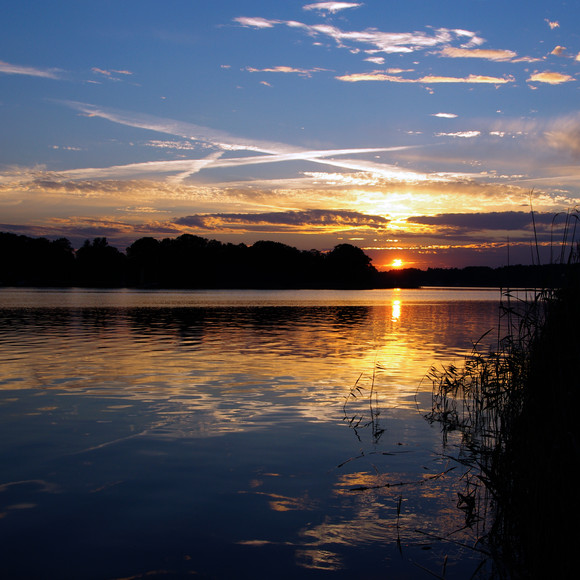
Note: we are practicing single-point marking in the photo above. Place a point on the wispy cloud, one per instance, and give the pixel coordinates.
(445, 115)
(551, 78)
(552, 24)
(461, 134)
(492, 54)
(15, 69)
(332, 7)
(485, 53)
(374, 40)
(429, 79)
(112, 74)
(175, 145)
(184, 168)
(558, 133)
(276, 152)
(217, 138)
(564, 135)
(286, 70)
(256, 22)
(470, 79)
(375, 59)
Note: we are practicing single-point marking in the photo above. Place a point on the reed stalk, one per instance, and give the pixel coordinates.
(515, 407)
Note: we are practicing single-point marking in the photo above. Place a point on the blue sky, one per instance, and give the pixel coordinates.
(413, 129)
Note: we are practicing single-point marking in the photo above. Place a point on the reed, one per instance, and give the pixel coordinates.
(515, 407)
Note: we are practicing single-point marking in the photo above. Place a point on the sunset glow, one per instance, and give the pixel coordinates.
(312, 125)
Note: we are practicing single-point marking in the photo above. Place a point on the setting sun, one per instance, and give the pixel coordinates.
(398, 263)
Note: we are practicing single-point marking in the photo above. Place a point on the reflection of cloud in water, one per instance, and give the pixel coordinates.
(224, 369)
(283, 503)
(371, 518)
(318, 560)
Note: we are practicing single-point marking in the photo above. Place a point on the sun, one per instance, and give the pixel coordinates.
(398, 263)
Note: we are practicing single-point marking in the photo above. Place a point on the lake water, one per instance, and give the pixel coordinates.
(216, 435)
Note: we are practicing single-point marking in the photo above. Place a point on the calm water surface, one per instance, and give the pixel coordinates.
(169, 434)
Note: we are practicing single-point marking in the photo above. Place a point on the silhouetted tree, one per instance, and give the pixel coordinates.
(144, 262)
(194, 262)
(183, 260)
(35, 261)
(349, 267)
(99, 264)
(274, 265)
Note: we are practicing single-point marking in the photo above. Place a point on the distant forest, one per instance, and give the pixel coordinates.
(194, 262)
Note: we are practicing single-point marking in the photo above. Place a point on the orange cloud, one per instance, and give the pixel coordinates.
(558, 50)
(429, 79)
(489, 54)
(551, 78)
(469, 79)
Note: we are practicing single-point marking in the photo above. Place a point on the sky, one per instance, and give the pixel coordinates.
(423, 132)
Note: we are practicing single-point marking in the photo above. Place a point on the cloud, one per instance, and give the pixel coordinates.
(276, 152)
(369, 205)
(462, 134)
(335, 220)
(564, 134)
(174, 145)
(110, 74)
(506, 220)
(559, 51)
(445, 115)
(375, 40)
(186, 167)
(217, 138)
(286, 70)
(553, 24)
(476, 79)
(79, 228)
(332, 7)
(488, 54)
(66, 148)
(15, 69)
(551, 78)
(429, 79)
(256, 22)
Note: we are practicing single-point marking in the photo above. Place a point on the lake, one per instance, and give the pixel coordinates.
(231, 434)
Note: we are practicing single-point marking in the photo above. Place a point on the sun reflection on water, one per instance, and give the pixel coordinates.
(241, 407)
(396, 311)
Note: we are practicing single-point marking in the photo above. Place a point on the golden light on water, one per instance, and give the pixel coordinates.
(396, 310)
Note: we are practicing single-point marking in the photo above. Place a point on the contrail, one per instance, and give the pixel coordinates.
(275, 152)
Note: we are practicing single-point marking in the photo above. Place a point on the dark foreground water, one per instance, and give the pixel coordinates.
(214, 434)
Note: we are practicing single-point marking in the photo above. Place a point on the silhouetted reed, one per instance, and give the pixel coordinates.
(514, 406)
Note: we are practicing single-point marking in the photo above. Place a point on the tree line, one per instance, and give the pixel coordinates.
(190, 261)
(187, 261)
